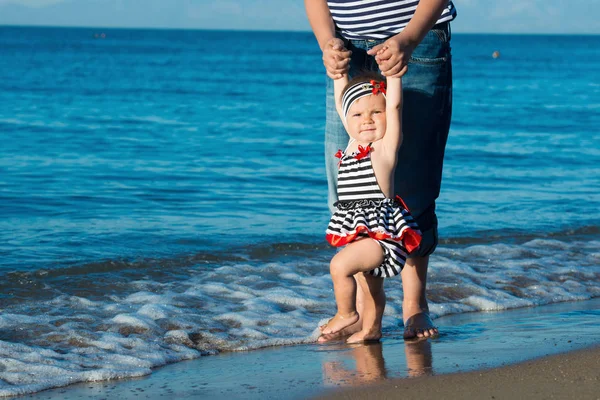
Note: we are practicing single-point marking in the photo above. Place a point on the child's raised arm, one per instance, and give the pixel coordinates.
(338, 87)
(392, 140)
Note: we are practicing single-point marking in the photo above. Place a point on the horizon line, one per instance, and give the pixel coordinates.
(262, 30)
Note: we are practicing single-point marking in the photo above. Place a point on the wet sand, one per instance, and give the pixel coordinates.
(478, 355)
(564, 376)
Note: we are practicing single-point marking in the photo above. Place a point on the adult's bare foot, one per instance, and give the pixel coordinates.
(364, 336)
(339, 322)
(419, 325)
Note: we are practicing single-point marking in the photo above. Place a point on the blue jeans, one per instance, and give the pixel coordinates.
(426, 113)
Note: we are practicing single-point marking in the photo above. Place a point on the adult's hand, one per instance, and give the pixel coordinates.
(392, 55)
(336, 58)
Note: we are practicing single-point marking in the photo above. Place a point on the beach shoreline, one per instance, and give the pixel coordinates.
(538, 348)
(573, 374)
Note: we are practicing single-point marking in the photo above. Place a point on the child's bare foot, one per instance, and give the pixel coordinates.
(339, 322)
(344, 333)
(321, 327)
(365, 336)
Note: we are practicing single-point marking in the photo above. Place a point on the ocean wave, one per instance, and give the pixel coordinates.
(121, 319)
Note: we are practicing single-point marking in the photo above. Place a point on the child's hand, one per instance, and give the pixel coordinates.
(381, 51)
(336, 58)
(392, 56)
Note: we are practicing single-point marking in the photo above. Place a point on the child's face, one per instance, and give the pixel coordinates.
(366, 119)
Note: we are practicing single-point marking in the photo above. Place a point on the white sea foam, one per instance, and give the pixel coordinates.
(244, 306)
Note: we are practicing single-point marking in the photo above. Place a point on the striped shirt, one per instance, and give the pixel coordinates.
(377, 19)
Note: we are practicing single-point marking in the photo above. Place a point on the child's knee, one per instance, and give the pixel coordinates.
(336, 266)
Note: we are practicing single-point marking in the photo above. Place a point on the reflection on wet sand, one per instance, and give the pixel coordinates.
(369, 367)
(419, 358)
(368, 364)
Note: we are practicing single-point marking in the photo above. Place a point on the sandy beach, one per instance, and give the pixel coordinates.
(478, 355)
(565, 376)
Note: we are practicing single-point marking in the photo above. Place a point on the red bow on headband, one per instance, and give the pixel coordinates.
(378, 87)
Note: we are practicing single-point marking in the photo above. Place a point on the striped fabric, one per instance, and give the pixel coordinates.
(356, 180)
(377, 19)
(395, 258)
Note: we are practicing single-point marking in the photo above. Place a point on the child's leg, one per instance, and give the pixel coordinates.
(359, 308)
(352, 329)
(374, 306)
(359, 256)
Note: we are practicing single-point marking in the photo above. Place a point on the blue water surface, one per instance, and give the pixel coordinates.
(158, 143)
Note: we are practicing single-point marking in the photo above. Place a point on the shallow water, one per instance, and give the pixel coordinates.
(471, 341)
(153, 209)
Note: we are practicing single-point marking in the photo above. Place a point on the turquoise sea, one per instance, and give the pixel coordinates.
(163, 193)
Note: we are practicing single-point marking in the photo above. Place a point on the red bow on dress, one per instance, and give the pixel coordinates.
(339, 155)
(378, 87)
(362, 152)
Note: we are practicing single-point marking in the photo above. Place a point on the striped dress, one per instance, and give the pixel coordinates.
(364, 211)
(377, 19)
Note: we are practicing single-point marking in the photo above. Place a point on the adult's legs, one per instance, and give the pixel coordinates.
(414, 285)
(415, 309)
(336, 138)
(426, 122)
